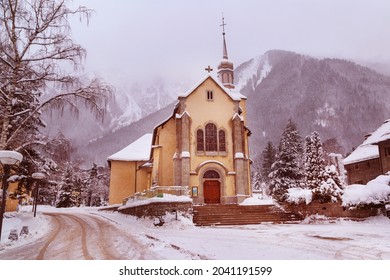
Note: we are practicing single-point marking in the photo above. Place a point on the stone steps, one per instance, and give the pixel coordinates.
(232, 214)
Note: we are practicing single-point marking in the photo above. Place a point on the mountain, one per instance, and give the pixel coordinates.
(337, 98)
(129, 104)
(334, 97)
(99, 149)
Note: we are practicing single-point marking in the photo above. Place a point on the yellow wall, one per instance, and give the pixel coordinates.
(121, 180)
(163, 154)
(219, 111)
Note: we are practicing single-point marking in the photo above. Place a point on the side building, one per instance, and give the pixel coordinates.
(371, 158)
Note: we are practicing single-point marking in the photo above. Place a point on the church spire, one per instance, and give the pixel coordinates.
(225, 68)
(225, 55)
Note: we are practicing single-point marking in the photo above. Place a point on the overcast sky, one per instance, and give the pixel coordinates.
(129, 40)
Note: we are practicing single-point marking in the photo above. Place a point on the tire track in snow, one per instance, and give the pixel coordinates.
(109, 241)
(96, 225)
(137, 250)
(52, 237)
(84, 246)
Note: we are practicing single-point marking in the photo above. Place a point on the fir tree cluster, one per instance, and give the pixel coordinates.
(295, 164)
(82, 187)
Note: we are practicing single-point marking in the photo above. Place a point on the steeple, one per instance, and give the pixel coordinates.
(225, 68)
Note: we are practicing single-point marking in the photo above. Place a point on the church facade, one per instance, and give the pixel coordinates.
(203, 145)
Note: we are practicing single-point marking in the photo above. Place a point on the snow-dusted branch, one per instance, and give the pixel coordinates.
(90, 94)
(43, 143)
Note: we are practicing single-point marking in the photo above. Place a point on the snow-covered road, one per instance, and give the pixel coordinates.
(77, 236)
(90, 234)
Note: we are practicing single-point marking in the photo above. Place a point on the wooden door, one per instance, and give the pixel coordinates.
(212, 192)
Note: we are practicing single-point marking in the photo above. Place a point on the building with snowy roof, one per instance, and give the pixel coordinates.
(202, 145)
(371, 158)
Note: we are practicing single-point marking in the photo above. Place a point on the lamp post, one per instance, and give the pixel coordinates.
(37, 176)
(7, 159)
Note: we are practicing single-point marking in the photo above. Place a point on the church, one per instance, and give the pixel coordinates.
(202, 146)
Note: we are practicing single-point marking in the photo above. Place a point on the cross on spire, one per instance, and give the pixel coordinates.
(223, 25)
(208, 69)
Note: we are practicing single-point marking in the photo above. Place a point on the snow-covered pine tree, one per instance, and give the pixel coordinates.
(322, 180)
(268, 159)
(331, 188)
(314, 161)
(256, 180)
(66, 194)
(92, 183)
(286, 171)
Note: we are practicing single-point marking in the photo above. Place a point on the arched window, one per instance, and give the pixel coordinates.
(222, 140)
(211, 174)
(199, 140)
(211, 137)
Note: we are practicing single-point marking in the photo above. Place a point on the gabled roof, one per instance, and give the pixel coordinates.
(233, 94)
(139, 150)
(369, 149)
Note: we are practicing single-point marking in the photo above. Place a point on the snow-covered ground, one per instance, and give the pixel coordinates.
(316, 238)
(38, 226)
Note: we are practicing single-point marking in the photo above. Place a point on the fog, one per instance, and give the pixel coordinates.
(129, 41)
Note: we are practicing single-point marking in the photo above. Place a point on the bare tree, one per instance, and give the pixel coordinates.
(35, 48)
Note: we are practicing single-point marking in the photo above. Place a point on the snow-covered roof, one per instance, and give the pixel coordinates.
(139, 150)
(382, 134)
(368, 149)
(233, 94)
(362, 153)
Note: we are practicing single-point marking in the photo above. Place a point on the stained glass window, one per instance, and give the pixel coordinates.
(199, 140)
(211, 137)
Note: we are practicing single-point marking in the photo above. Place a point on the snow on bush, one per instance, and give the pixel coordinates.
(375, 192)
(299, 195)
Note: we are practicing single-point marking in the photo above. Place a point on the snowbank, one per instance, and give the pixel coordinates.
(38, 226)
(165, 198)
(376, 191)
(256, 199)
(299, 195)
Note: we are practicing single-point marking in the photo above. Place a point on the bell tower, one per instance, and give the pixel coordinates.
(225, 67)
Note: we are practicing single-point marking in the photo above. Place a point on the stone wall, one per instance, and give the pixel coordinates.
(157, 209)
(333, 210)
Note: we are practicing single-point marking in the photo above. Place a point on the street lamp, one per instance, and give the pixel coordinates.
(7, 159)
(37, 176)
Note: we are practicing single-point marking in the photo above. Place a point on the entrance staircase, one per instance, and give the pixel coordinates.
(233, 214)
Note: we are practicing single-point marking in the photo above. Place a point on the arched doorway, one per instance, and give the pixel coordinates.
(211, 187)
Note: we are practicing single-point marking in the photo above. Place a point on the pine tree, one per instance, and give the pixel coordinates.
(92, 183)
(268, 155)
(323, 181)
(256, 181)
(66, 196)
(314, 161)
(286, 171)
(331, 188)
